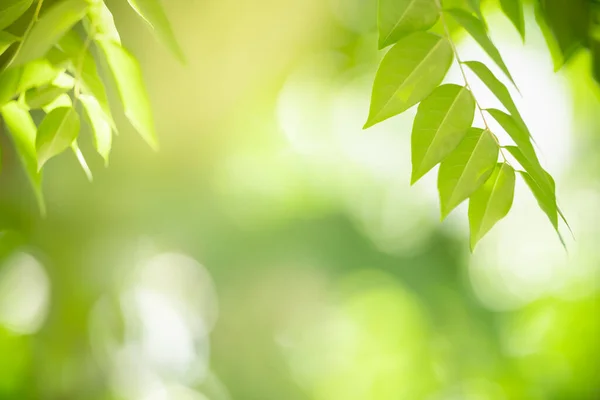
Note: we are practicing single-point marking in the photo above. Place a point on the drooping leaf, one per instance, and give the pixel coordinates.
(154, 14)
(81, 160)
(61, 101)
(9, 84)
(38, 73)
(558, 59)
(42, 96)
(532, 165)
(398, 18)
(100, 127)
(477, 30)
(11, 10)
(514, 129)
(131, 88)
(442, 121)
(100, 23)
(23, 130)
(491, 202)
(83, 63)
(466, 168)
(498, 89)
(568, 22)
(48, 30)
(56, 133)
(408, 73)
(513, 9)
(546, 203)
(6, 40)
(475, 5)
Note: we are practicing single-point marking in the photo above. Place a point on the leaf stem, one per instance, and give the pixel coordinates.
(464, 75)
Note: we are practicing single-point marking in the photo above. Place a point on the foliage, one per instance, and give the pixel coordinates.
(51, 59)
(411, 72)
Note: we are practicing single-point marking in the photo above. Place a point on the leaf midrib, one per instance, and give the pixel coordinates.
(490, 198)
(58, 129)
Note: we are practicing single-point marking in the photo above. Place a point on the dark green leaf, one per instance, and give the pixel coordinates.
(48, 30)
(466, 168)
(132, 91)
(10, 10)
(56, 133)
(475, 5)
(100, 126)
(6, 40)
(153, 13)
(491, 202)
(442, 121)
(22, 130)
(408, 73)
(513, 9)
(398, 18)
(477, 30)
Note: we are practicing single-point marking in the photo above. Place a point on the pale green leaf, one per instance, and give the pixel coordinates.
(9, 84)
(514, 129)
(154, 14)
(513, 9)
(477, 30)
(100, 126)
(61, 101)
(11, 10)
(38, 73)
(6, 40)
(131, 88)
(83, 63)
(48, 30)
(531, 164)
(491, 202)
(100, 23)
(81, 160)
(408, 73)
(23, 131)
(466, 168)
(40, 97)
(398, 18)
(498, 89)
(442, 121)
(56, 133)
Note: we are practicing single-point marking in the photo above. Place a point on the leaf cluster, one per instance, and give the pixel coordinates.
(52, 55)
(473, 164)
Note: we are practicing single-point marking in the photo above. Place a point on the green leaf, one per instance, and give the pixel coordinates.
(9, 84)
(6, 40)
(48, 30)
(547, 203)
(442, 121)
(466, 168)
(513, 9)
(132, 91)
(22, 130)
(56, 133)
(11, 10)
(477, 30)
(81, 160)
(498, 89)
(61, 101)
(42, 96)
(100, 126)
(153, 13)
(408, 73)
(100, 23)
(38, 73)
(475, 5)
(82, 61)
(515, 131)
(532, 165)
(491, 202)
(398, 18)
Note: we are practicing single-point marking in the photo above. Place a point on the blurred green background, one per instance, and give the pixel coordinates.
(272, 250)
